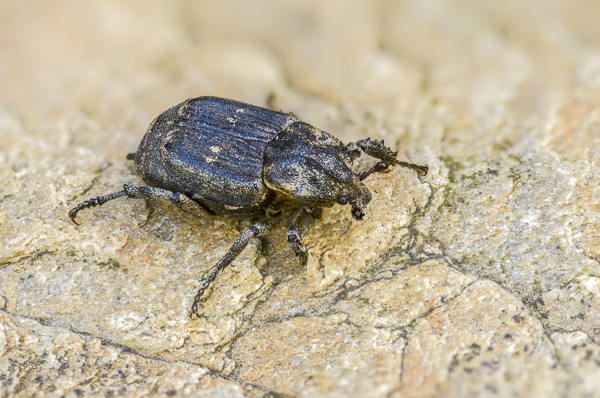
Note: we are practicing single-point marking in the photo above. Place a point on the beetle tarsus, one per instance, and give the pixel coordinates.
(97, 201)
(357, 213)
(299, 249)
(422, 168)
(205, 286)
(300, 224)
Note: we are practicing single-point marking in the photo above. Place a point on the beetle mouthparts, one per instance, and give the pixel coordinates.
(357, 213)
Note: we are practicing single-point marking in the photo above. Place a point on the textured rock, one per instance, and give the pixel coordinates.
(479, 279)
(38, 359)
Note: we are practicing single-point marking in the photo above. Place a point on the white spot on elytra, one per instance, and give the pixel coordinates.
(215, 149)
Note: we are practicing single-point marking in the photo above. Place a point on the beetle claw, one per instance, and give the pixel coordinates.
(299, 249)
(194, 310)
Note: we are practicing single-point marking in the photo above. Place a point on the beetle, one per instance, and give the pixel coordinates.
(216, 156)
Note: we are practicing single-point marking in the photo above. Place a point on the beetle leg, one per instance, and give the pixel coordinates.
(256, 229)
(182, 201)
(378, 150)
(300, 224)
(377, 168)
(97, 201)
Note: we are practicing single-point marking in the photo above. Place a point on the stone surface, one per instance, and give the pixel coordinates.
(479, 279)
(38, 359)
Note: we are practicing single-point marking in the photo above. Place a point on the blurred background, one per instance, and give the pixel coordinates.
(113, 66)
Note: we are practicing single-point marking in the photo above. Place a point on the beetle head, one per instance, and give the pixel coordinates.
(313, 167)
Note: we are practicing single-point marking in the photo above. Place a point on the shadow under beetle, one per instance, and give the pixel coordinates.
(215, 156)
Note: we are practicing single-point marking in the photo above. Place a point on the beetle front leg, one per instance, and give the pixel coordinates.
(300, 224)
(256, 229)
(378, 150)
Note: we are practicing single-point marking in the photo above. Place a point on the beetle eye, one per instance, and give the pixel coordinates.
(342, 200)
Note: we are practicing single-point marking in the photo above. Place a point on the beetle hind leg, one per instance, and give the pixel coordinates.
(300, 224)
(97, 201)
(256, 229)
(180, 200)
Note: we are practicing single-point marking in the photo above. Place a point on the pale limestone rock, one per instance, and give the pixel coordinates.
(479, 279)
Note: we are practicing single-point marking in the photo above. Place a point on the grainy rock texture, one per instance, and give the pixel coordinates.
(480, 279)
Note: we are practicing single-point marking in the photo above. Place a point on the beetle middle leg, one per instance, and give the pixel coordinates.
(378, 150)
(256, 229)
(300, 224)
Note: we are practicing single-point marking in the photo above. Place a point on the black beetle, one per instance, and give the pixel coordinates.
(215, 156)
